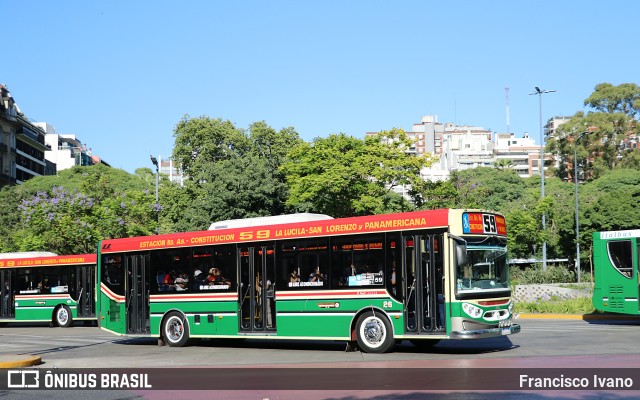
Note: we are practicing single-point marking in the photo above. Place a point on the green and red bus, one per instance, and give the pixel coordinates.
(615, 267)
(45, 287)
(421, 276)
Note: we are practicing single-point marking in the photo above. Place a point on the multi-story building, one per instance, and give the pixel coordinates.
(67, 150)
(22, 145)
(522, 153)
(172, 170)
(553, 124)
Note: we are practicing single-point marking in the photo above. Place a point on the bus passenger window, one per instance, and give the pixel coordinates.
(621, 256)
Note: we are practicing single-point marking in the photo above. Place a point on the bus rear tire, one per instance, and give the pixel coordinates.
(175, 330)
(374, 333)
(62, 316)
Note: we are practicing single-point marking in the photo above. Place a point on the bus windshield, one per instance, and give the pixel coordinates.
(486, 269)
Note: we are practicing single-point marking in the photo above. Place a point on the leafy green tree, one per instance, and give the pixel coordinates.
(343, 176)
(615, 202)
(9, 218)
(503, 163)
(487, 188)
(96, 202)
(610, 128)
(441, 194)
(607, 98)
(231, 173)
(201, 141)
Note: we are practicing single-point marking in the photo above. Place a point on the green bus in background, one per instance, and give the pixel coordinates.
(45, 287)
(615, 264)
(421, 276)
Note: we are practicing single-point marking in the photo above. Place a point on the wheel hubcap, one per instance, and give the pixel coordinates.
(175, 329)
(373, 332)
(63, 316)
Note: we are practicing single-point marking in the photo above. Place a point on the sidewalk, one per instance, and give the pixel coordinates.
(18, 361)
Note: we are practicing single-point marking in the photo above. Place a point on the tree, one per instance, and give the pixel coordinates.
(503, 163)
(611, 128)
(624, 98)
(603, 147)
(487, 188)
(343, 176)
(97, 202)
(232, 173)
(613, 203)
(203, 140)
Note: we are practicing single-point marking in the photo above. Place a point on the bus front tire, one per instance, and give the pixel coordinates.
(374, 333)
(175, 330)
(62, 317)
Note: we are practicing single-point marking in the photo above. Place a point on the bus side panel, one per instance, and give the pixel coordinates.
(112, 315)
(205, 318)
(614, 292)
(41, 309)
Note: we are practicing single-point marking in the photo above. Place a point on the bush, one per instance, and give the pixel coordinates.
(580, 305)
(535, 275)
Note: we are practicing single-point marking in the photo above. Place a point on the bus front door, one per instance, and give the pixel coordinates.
(86, 286)
(256, 291)
(8, 305)
(137, 293)
(422, 288)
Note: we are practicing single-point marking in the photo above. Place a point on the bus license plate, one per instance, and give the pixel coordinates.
(506, 331)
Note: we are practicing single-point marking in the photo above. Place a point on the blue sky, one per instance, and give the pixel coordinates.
(121, 74)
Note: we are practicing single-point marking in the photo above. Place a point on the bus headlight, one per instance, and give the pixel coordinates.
(472, 310)
(511, 307)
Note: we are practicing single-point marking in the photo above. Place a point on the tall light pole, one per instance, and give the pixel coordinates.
(575, 179)
(540, 92)
(155, 162)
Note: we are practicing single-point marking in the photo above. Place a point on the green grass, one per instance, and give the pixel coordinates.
(580, 305)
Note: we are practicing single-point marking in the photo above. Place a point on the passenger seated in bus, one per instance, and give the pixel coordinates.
(316, 276)
(181, 282)
(293, 276)
(215, 277)
(198, 279)
(169, 280)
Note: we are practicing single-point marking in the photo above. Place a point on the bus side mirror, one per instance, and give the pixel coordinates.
(461, 254)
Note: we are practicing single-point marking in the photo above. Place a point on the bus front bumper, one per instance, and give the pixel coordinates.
(486, 333)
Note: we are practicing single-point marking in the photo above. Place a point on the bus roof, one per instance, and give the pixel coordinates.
(270, 220)
(284, 230)
(619, 234)
(27, 254)
(50, 260)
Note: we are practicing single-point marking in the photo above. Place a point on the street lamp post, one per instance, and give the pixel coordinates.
(575, 180)
(155, 162)
(540, 92)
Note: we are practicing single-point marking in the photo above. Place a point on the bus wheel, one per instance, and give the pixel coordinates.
(175, 330)
(424, 344)
(62, 316)
(374, 333)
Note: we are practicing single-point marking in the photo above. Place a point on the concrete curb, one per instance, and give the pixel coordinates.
(19, 361)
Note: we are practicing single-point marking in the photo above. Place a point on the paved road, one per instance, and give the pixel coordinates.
(541, 344)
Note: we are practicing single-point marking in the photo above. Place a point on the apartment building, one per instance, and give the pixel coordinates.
(66, 150)
(522, 153)
(22, 144)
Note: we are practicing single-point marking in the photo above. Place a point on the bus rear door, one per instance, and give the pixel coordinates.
(7, 285)
(256, 291)
(137, 293)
